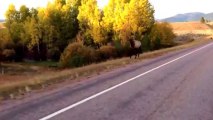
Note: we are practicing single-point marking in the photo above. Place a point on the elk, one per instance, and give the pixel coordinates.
(135, 46)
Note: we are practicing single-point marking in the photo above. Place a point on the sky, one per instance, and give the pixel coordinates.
(163, 8)
(168, 8)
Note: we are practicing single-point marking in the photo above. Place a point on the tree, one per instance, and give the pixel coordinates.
(11, 14)
(109, 16)
(202, 20)
(12, 22)
(5, 40)
(53, 26)
(138, 18)
(58, 25)
(90, 21)
(108, 20)
(48, 30)
(24, 13)
(15, 21)
(161, 35)
(140, 14)
(15, 24)
(34, 13)
(128, 18)
(6, 46)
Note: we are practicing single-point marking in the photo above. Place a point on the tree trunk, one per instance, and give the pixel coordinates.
(38, 48)
(2, 69)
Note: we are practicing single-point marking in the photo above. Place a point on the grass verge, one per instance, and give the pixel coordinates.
(13, 89)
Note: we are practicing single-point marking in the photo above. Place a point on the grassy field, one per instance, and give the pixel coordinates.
(19, 78)
(191, 28)
(2, 25)
(210, 23)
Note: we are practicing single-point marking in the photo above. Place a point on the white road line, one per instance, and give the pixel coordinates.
(116, 86)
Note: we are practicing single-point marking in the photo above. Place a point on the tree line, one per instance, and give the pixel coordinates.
(67, 29)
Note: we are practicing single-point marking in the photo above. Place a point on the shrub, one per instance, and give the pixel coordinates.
(8, 54)
(76, 55)
(107, 52)
(161, 36)
(76, 61)
(53, 54)
(146, 43)
(5, 40)
(121, 50)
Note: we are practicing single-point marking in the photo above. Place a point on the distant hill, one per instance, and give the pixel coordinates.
(187, 17)
(1, 20)
(209, 16)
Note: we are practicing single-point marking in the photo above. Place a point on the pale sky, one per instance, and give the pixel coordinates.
(168, 8)
(163, 8)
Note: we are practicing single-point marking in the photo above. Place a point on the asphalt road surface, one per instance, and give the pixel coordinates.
(176, 86)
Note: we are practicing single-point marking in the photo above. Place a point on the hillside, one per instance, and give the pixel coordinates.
(209, 16)
(191, 28)
(187, 17)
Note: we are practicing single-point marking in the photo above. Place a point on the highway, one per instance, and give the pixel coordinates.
(175, 86)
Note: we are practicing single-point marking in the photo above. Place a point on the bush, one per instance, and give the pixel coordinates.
(5, 40)
(146, 43)
(76, 55)
(107, 52)
(53, 54)
(121, 50)
(77, 61)
(8, 54)
(161, 36)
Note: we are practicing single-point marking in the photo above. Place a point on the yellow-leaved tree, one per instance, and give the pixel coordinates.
(139, 15)
(161, 35)
(108, 20)
(90, 22)
(128, 18)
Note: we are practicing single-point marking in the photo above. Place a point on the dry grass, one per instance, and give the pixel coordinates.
(38, 80)
(181, 28)
(2, 25)
(210, 23)
(189, 26)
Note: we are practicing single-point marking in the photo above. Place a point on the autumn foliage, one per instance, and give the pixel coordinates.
(78, 32)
